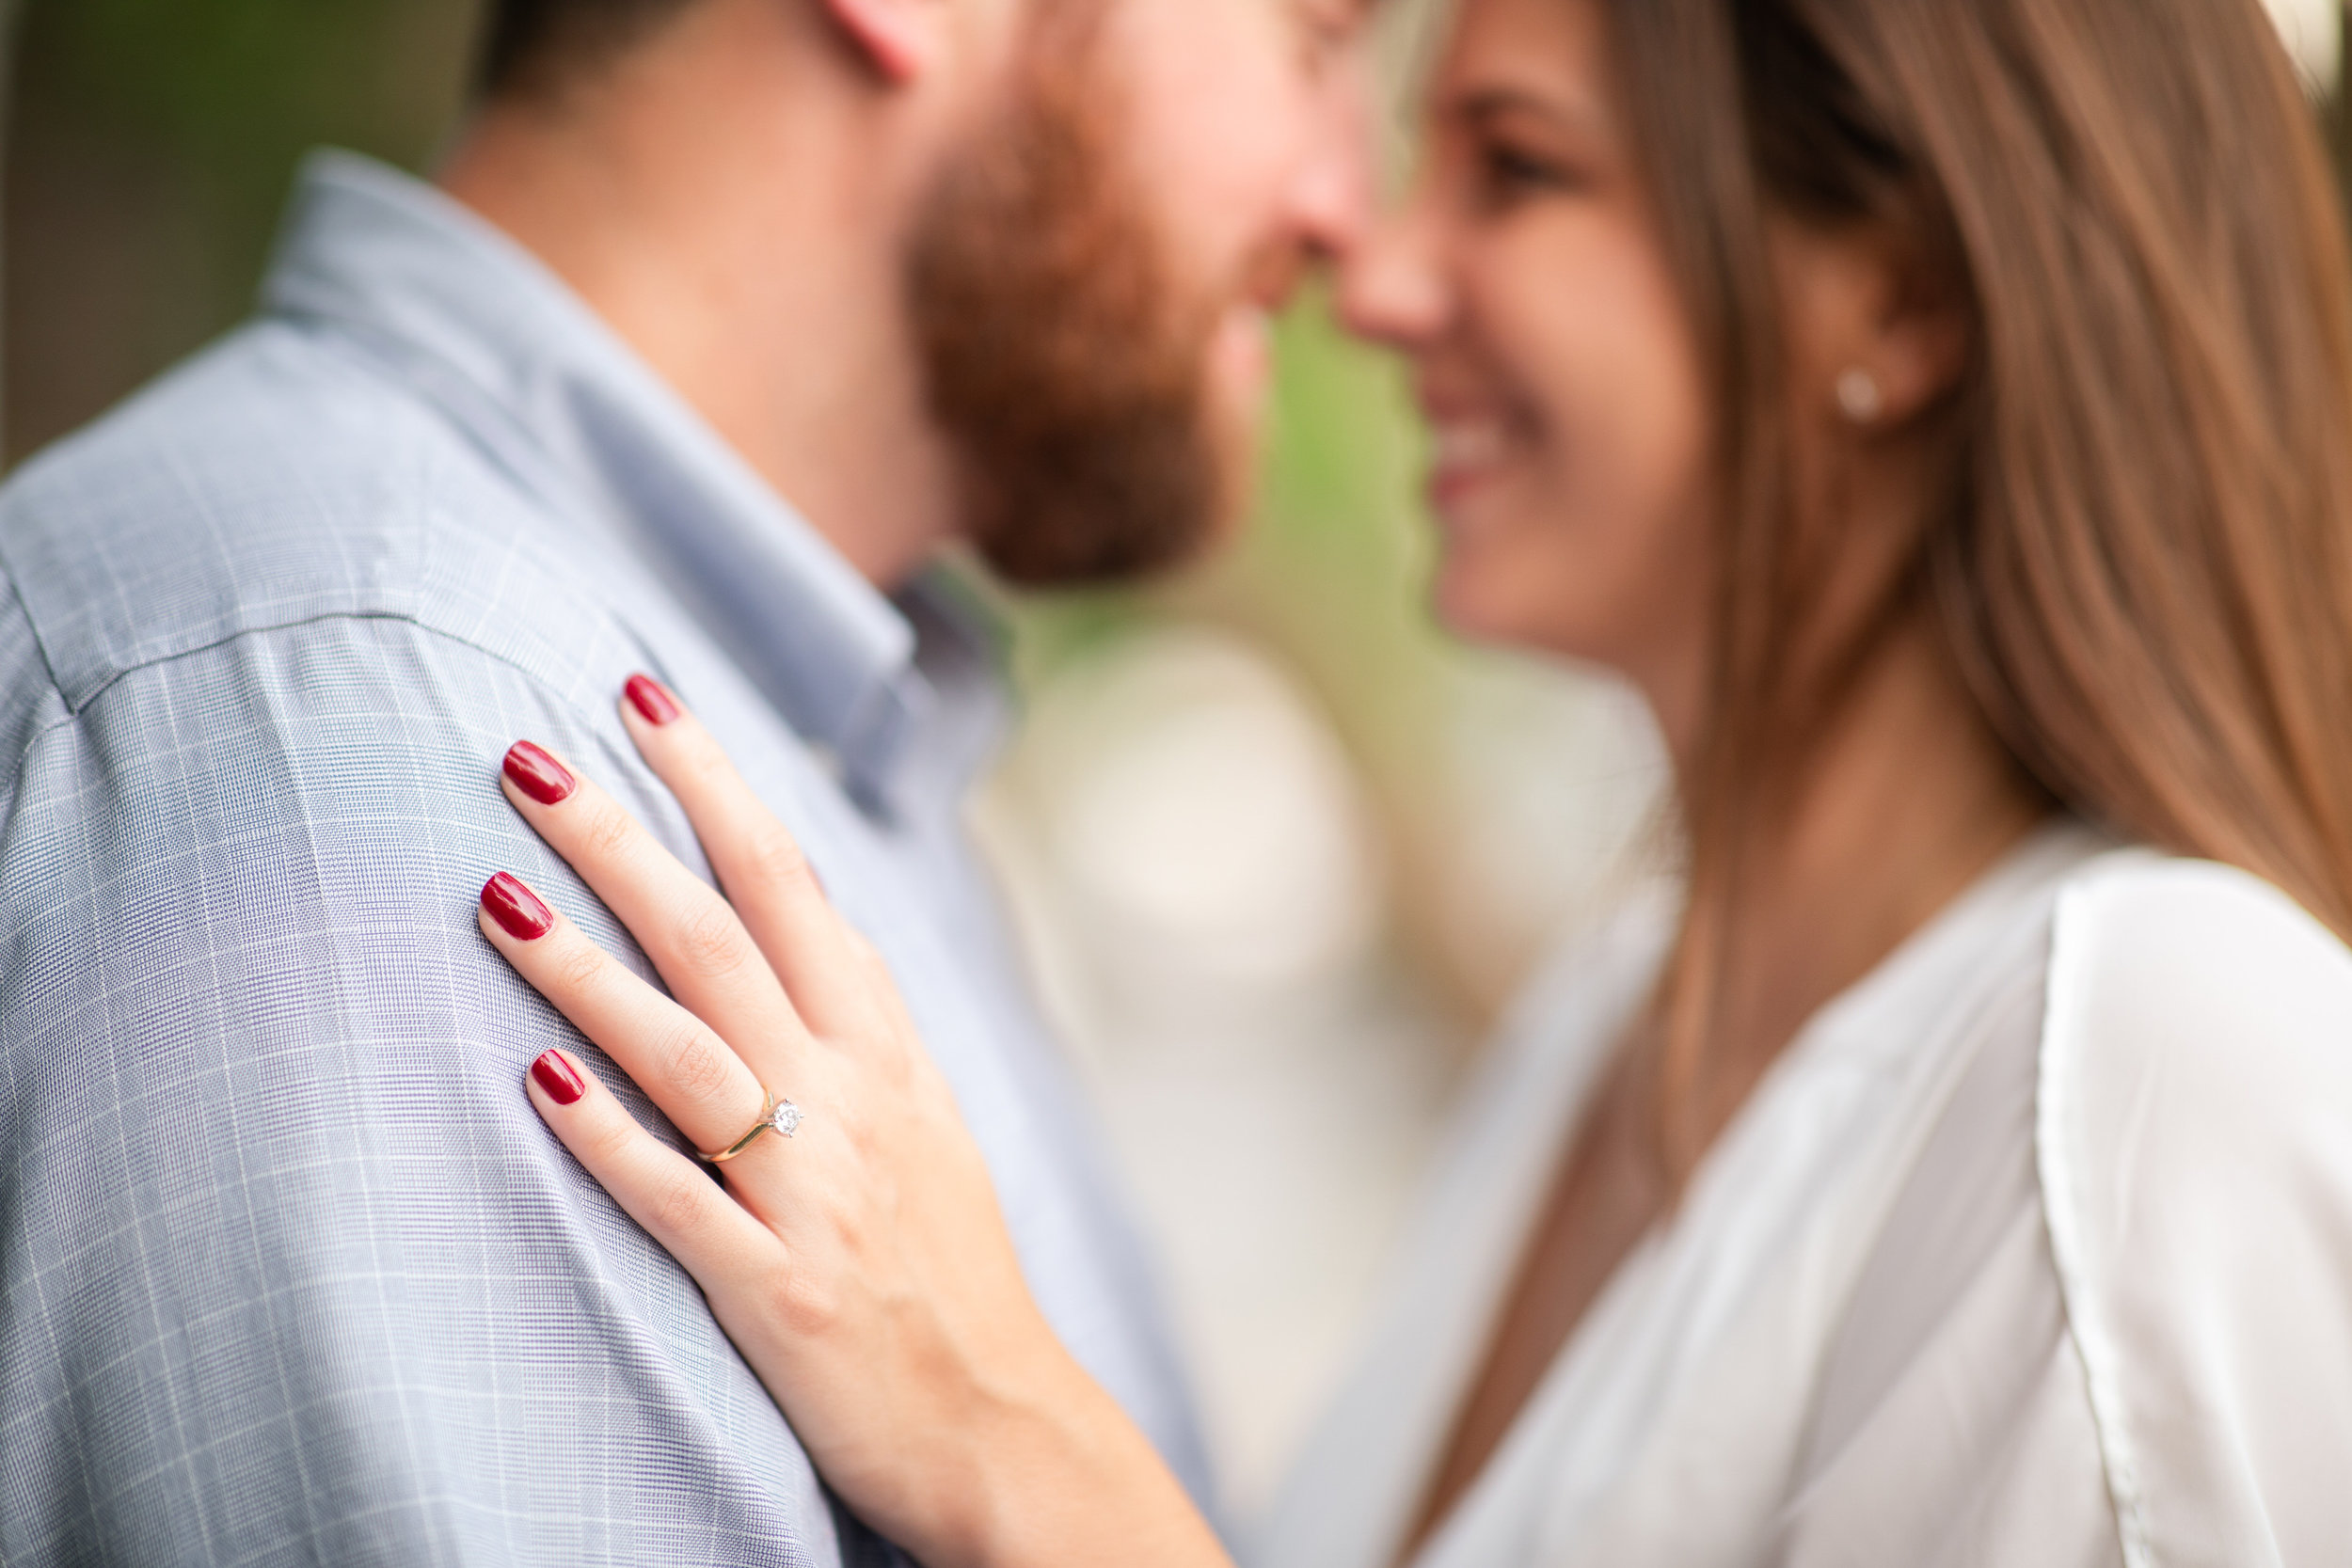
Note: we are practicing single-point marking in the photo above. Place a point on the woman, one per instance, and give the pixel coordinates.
(1940, 413)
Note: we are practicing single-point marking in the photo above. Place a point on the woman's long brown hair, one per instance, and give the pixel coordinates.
(2143, 570)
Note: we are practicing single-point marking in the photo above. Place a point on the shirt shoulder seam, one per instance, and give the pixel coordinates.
(49, 669)
(74, 711)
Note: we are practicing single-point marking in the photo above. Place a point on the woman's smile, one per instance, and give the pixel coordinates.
(1470, 450)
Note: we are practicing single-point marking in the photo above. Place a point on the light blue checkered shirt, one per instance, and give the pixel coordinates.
(293, 1272)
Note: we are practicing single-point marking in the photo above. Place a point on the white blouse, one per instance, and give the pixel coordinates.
(2034, 1248)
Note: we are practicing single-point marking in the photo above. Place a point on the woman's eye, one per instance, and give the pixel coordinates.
(1511, 174)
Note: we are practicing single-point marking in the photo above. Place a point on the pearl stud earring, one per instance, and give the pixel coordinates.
(1859, 398)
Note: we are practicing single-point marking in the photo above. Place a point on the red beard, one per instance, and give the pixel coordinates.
(1064, 361)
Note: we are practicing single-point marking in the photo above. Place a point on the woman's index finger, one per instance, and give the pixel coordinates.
(759, 862)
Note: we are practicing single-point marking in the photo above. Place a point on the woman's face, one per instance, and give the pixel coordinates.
(1527, 282)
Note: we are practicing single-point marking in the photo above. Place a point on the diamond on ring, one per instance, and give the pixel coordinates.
(778, 1115)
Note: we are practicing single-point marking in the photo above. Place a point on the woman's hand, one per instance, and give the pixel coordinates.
(858, 1260)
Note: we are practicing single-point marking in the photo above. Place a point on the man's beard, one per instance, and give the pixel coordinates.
(1067, 366)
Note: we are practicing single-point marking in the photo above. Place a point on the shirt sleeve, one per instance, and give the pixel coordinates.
(1950, 1428)
(2196, 1150)
(292, 1271)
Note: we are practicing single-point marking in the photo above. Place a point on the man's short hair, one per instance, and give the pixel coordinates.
(541, 48)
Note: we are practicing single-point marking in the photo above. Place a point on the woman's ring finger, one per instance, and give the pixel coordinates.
(778, 1115)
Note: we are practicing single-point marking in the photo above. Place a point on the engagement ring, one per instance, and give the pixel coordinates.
(780, 1115)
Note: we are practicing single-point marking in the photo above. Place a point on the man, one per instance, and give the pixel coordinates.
(728, 318)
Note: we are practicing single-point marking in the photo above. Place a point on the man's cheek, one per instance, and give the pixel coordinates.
(1240, 363)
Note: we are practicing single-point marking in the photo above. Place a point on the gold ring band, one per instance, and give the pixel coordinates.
(779, 1116)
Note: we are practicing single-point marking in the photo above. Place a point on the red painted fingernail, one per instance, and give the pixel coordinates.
(539, 775)
(517, 908)
(652, 698)
(555, 1075)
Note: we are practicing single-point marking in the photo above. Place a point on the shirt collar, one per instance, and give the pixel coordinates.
(476, 323)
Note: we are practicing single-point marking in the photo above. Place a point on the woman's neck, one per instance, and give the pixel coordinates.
(1908, 800)
(1905, 801)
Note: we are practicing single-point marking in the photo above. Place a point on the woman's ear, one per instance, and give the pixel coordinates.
(1926, 333)
(900, 38)
(1874, 332)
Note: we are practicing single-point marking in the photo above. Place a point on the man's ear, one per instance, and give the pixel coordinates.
(900, 38)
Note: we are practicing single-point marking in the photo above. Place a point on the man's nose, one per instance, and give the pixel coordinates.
(1331, 199)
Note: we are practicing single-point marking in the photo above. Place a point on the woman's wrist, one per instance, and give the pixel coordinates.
(1063, 1477)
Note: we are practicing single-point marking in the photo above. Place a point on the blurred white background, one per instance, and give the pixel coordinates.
(1213, 909)
(2313, 30)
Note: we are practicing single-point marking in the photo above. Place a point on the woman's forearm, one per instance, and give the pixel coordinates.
(1067, 1479)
